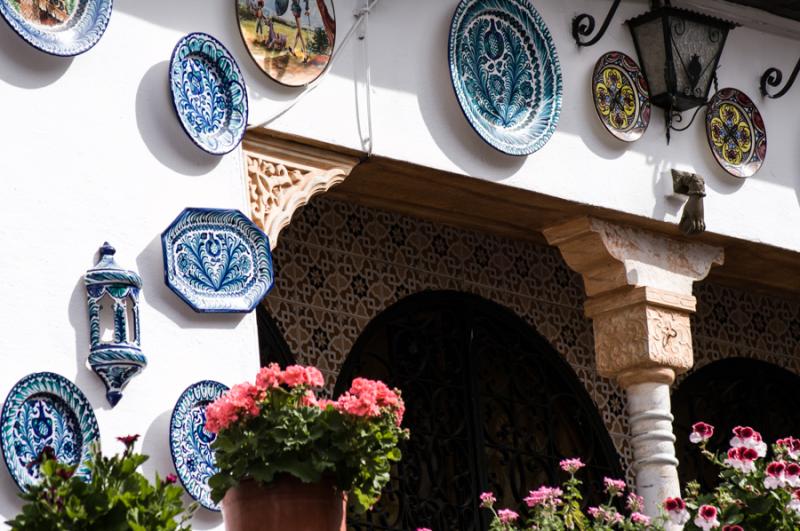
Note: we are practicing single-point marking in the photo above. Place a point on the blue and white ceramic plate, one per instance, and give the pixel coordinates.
(190, 443)
(217, 260)
(58, 27)
(506, 74)
(45, 409)
(208, 92)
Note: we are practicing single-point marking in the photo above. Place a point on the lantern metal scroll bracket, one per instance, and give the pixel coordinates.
(773, 77)
(583, 26)
(119, 358)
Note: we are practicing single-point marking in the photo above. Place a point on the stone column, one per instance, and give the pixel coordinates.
(639, 288)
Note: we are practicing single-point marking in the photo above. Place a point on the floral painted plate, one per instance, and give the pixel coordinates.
(506, 74)
(736, 132)
(46, 410)
(58, 27)
(217, 260)
(190, 443)
(621, 96)
(209, 93)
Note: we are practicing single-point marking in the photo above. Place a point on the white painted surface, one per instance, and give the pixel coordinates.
(91, 150)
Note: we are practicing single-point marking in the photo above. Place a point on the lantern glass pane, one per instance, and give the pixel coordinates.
(649, 37)
(695, 47)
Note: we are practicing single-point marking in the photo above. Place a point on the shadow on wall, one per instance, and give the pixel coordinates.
(24, 66)
(161, 130)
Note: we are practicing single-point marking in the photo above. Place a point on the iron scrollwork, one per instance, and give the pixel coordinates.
(773, 77)
(583, 25)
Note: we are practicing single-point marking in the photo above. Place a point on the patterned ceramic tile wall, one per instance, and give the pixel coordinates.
(338, 265)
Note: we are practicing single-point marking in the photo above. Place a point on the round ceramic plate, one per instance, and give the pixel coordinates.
(291, 41)
(45, 409)
(736, 132)
(217, 260)
(209, 93)
(621, 96)
(505, 73)
(190, 443)
(58, 27)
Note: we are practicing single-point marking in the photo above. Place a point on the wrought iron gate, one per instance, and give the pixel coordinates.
(491, 406)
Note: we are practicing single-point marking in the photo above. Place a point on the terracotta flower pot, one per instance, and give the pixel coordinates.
(287, 504)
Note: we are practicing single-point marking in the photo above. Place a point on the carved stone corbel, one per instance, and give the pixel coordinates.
(283, 175)
(694, 186)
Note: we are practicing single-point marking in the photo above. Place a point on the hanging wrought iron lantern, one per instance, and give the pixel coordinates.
(113, 299)
(679, 51)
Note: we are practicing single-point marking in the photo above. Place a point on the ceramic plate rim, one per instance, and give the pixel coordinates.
(235, 65)
(306, 84)
(81, 401)
(711, 145)
(17, 23)
(191, 304)
(594, 100)
(172, 451)
(559, 84)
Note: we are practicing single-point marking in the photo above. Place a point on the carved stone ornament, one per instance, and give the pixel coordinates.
(694, 186)
(283, 176)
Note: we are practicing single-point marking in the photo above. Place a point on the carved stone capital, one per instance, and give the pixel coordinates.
(284, 175)
(612, 256)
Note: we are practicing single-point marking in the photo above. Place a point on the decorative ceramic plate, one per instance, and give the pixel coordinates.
(505, 73)
(736, 132)
(217, 260)
(58, 27)
(209, 93)
(291, 41)
(190, 443)
(45, 409)
(621, 96)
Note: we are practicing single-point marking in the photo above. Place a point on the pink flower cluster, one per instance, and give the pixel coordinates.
(549, 497)
(746, 447)
(701, 432)
(488, 499)
(507, 516)
(676, 511)
(294, 376)
(707, 517)
(790, 445)
(571, 465)
(240, 402)
(602, 515)
(614, 487)
(370, 398)
(781, 474)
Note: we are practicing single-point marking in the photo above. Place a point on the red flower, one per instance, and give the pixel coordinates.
(64, 473)
(674, 504)
(170, 479)
(128, 440)
(733, 527)
(701, 432)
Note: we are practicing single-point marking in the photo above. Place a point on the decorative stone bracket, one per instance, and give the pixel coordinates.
(283, 176)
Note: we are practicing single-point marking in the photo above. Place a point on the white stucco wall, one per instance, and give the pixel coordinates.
(91, 151)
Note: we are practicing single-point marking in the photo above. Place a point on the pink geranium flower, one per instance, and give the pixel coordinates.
(676, 511)
(793, 474)
(732, 527)
(507, 516)
(571, 465)
(701, 432)
(790, 445)
(549, 497)
(268, 377)
(614, 487)
(639, 518)
(747, 437)
(742, 459)
(487, 499)
(706, 517)
(776, 475)
(635, 502)
(794, 502)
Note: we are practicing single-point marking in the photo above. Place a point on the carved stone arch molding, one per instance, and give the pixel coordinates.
(283, 175)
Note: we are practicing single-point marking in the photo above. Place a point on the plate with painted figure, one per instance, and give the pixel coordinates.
(217, 260)
(505, 73)
(621, 96)
(46, 410)
(736, 132)
(58, 27)
(291, 41)
(208, 93)
(190, 442)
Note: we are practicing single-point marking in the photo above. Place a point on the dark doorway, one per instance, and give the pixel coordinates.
(729, 393)
(490, 405)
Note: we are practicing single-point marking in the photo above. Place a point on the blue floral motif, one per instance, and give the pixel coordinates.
(217, 260)
(209, 93)
(190, 442)
(46, 410)
(506, 73)
(80, 33)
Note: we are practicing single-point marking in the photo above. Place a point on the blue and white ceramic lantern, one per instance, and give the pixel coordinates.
(118, 358)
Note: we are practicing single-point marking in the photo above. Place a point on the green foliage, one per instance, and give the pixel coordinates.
(118, 498)
(308, 442)
(319, 41)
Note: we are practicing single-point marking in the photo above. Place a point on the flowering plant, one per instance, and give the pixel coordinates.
(279, 426)
(559, 508)
(754, 492)
(116, 497)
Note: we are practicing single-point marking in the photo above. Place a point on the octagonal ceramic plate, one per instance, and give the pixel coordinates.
(505, 72)
(736, 132)
(58, 27)
(46, 410)
(217, 260)
(208, 93)
(190, 442)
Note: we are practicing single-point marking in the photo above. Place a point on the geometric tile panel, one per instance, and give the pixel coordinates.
(339, 265)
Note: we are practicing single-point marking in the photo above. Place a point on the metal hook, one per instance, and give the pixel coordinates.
(583, 26)
(772, 77)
